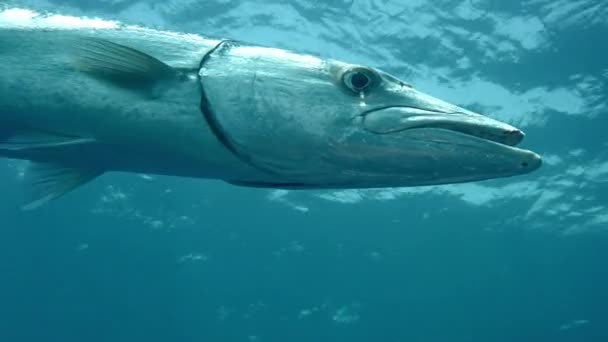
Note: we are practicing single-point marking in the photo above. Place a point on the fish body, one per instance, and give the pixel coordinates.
(80, 97)
(138, 130)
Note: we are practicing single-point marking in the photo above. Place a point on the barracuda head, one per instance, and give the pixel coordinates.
(312, 123)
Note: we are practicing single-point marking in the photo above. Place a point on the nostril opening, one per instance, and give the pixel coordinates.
(524, 164)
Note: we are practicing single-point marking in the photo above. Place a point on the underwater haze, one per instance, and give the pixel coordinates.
(132, 257)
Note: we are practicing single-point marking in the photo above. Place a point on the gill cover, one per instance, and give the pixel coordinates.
(271, 108)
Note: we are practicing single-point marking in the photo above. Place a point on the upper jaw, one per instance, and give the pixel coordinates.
(400, 118)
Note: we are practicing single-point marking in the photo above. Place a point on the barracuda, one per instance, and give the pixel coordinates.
(80, 97)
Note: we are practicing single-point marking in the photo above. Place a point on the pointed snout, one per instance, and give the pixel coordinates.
(513, 137)
(487, 128)
(415, 109)
(397, 119)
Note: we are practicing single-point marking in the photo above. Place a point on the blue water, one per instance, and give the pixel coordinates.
(137, 258)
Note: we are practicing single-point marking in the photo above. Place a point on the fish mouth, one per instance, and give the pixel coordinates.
(395, 119)
(493, 140)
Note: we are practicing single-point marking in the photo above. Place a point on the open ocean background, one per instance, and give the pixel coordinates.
(146, 258)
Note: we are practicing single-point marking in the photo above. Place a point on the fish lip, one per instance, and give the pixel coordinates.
(467, 123)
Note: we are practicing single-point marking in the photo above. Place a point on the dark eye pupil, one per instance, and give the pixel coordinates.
(359, 80)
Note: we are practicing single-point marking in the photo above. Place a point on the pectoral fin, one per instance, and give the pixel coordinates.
(49, 181)
(42, 146)
(121, 65)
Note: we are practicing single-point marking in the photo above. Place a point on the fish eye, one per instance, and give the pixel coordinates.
(358, 80)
